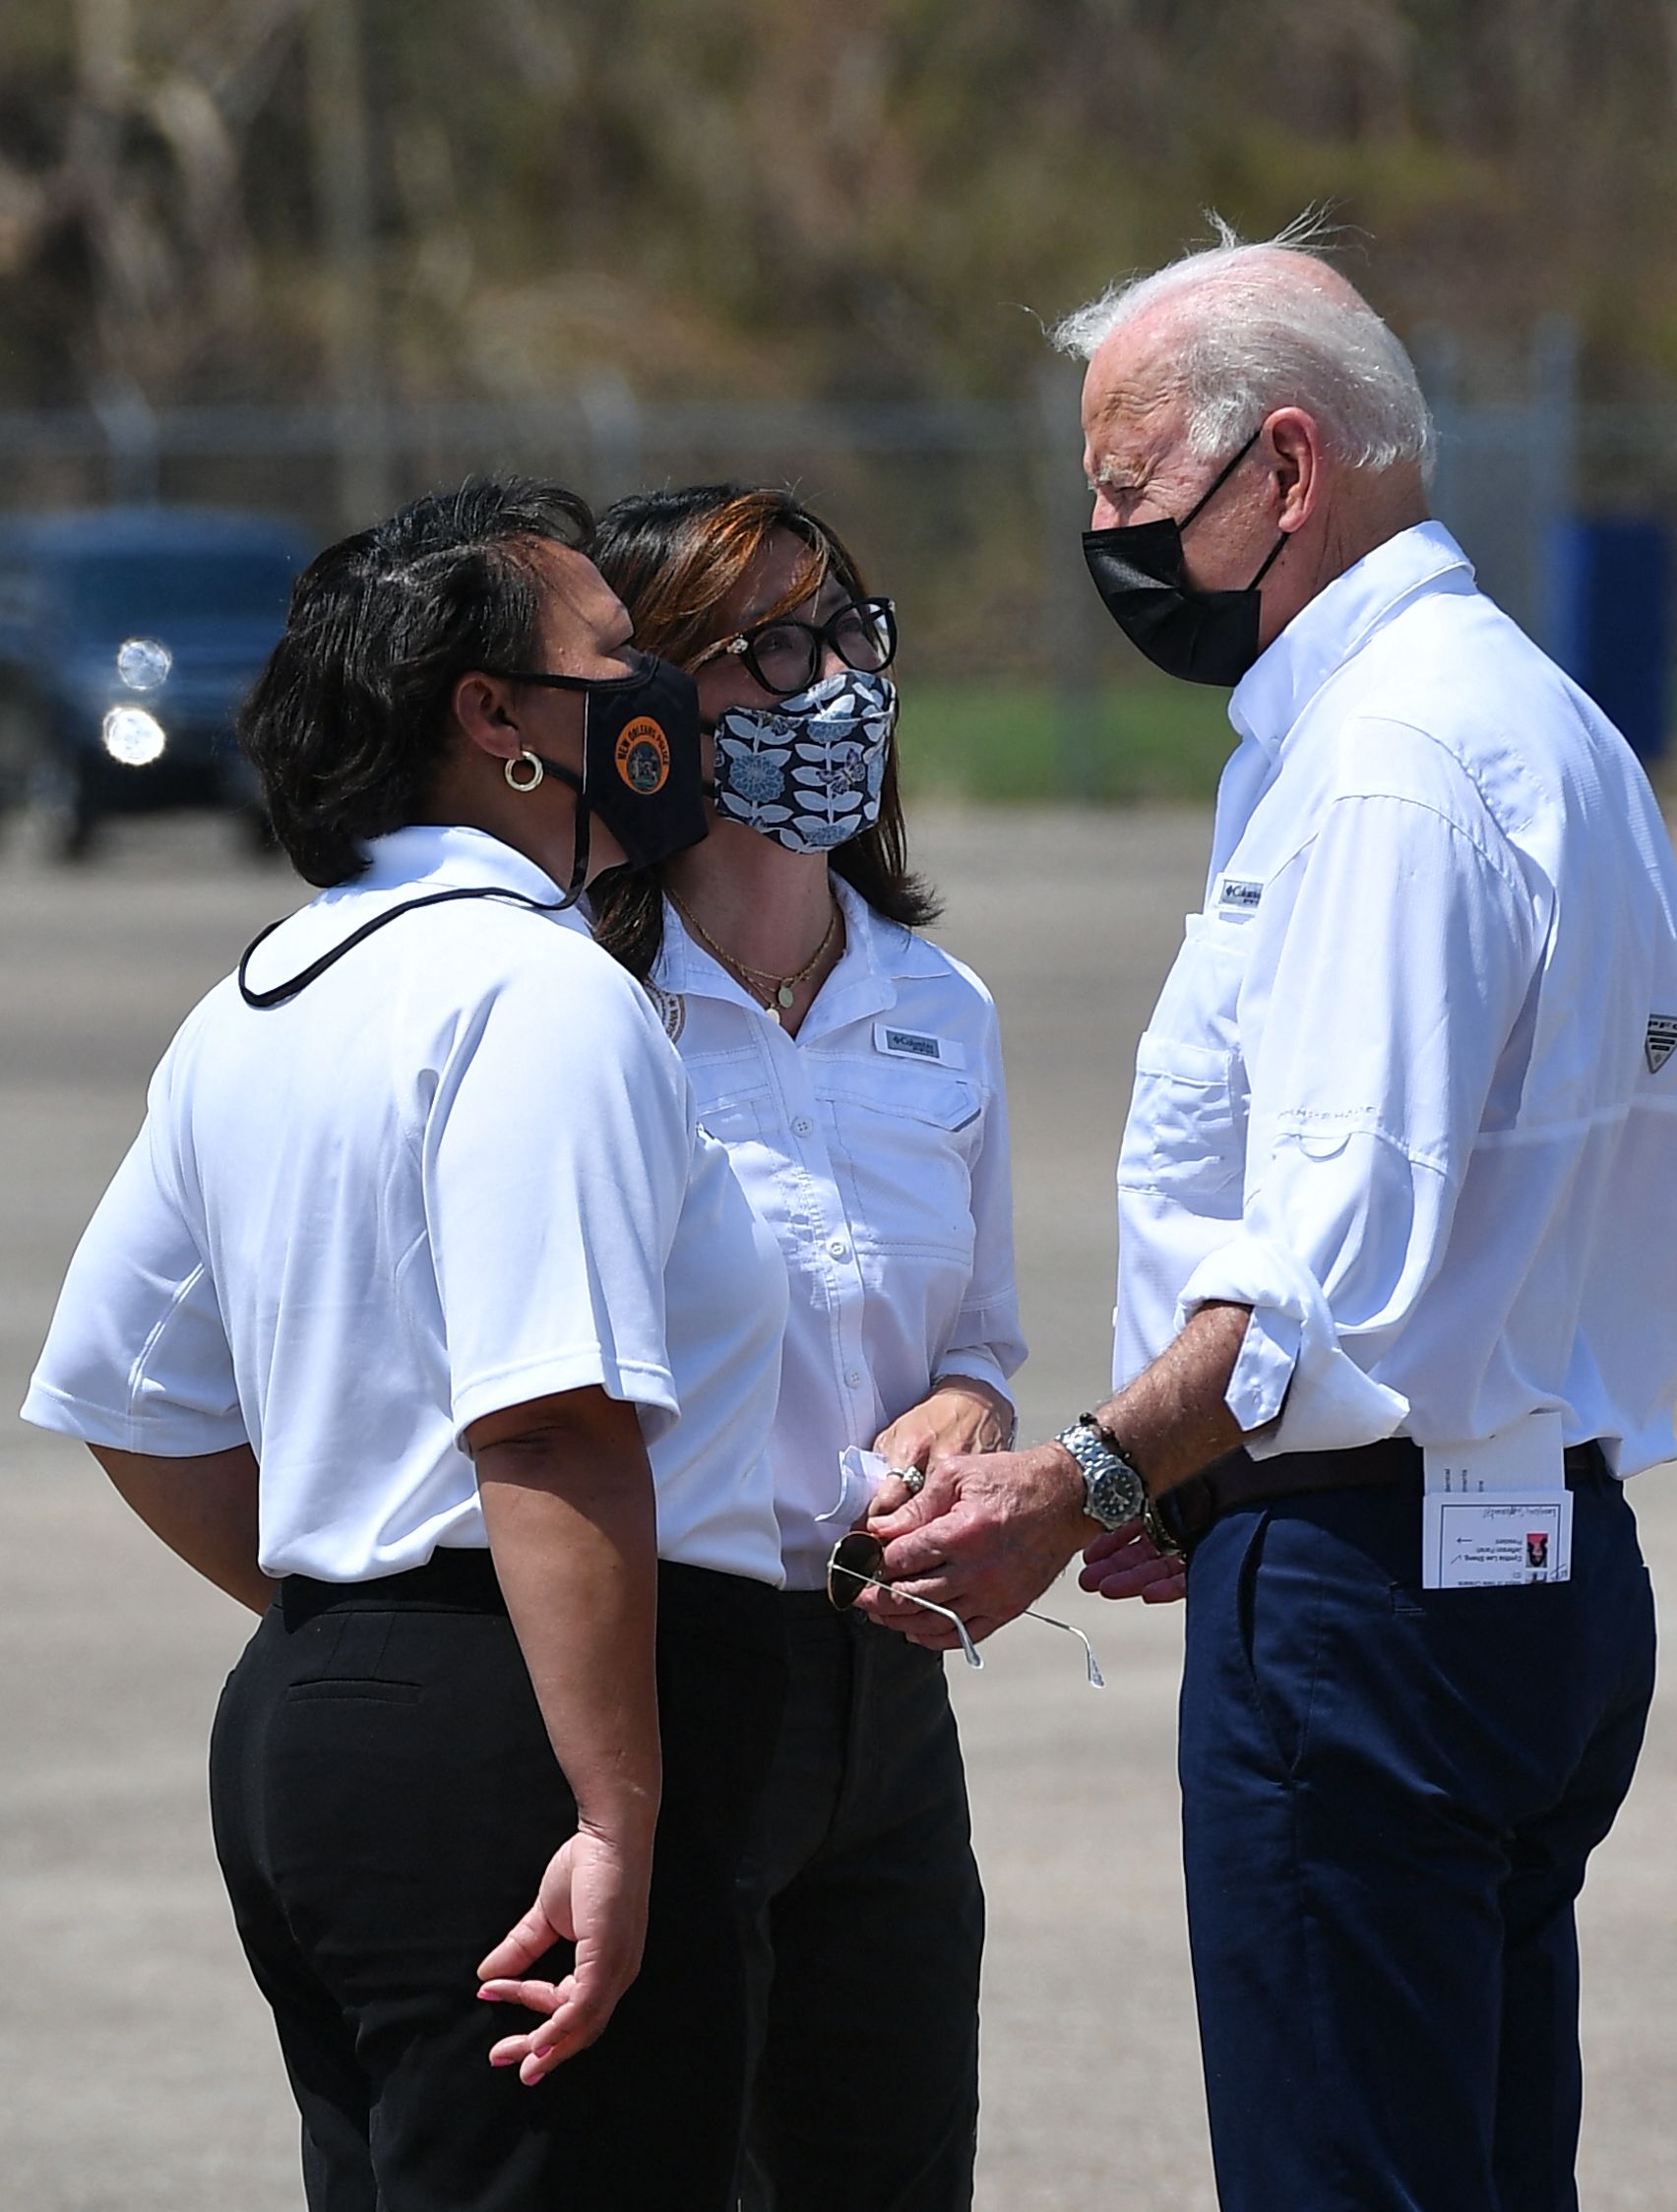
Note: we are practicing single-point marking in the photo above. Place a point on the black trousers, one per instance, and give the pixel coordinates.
(384, 1799)
(864, 1927)
(1389, 1795)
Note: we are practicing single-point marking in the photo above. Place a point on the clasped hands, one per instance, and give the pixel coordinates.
(990, 1530)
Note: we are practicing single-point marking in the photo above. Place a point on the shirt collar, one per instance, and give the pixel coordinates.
(436, 857)
(1323, 634)
(876, 953)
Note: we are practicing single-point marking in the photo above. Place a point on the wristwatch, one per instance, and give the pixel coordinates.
(1113, 1492)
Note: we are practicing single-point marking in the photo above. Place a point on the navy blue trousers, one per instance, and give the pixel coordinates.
(1388, 1798)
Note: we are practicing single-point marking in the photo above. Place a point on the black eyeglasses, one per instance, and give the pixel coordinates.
(785, 656)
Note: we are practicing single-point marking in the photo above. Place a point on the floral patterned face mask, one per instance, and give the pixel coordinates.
(808, 772)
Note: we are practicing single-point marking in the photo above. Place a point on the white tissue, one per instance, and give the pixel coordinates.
(860, 1474)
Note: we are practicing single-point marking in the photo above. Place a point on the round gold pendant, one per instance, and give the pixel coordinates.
(786, 993)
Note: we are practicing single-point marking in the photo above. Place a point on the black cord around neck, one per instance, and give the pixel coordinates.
(282, 993)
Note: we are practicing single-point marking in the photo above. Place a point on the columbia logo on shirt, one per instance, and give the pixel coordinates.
(1661, 1040)
(1239, 895)
(915, 1044)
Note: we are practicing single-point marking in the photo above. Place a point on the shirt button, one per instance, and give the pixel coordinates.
(854, 1378)
(803, 1126)
(838, 1248)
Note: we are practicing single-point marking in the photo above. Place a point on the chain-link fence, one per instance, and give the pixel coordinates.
(969, 513)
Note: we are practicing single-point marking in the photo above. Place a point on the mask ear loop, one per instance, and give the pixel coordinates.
(1219, 480)
(1276, 552)
(1211, 491)
(581, 841)
(580, 851)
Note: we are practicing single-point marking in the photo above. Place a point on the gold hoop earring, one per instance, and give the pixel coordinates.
(539, 772)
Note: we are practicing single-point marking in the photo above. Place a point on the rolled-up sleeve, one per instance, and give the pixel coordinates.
(1409, 946)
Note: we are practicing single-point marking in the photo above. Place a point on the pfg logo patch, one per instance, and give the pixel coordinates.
(1661, 1040)
(642, 755)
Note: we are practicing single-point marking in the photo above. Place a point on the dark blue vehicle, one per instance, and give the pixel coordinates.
(128, 635)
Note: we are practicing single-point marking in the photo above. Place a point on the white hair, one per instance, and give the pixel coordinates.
(1270, 325)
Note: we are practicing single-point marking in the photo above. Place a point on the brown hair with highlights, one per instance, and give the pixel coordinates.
(675, 558)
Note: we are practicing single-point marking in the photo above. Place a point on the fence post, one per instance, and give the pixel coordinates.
(1070, 626)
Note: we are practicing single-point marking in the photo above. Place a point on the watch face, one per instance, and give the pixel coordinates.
(1118, 1494)
(1113, 1492)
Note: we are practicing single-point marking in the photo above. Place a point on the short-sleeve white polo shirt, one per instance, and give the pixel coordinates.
(459, 1171)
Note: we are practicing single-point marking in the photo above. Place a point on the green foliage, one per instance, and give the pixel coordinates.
(717, 196)
(1145, 740)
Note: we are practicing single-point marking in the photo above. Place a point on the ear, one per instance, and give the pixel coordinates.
(486, 711)
(1295, 441)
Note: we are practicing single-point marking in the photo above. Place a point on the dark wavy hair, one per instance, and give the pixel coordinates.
(347, 723)
(675, 558)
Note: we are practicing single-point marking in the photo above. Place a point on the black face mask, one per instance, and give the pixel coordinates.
(640, 776)
(1203, 637)
(639, 761)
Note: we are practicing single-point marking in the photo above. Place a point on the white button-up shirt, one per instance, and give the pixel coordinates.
(1409, 1092)
(875, 1145)
(458, 1172)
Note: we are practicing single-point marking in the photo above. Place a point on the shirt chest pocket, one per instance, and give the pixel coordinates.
(903, 1137)
(1185, 1136)
(736, 1118)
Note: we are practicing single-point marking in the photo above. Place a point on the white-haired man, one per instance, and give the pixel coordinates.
(1397, 1310)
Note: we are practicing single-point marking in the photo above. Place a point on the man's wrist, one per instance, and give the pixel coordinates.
(1113, 1492)
(1061, 1480)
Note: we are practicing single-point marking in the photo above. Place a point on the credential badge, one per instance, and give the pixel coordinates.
(1661, 1040)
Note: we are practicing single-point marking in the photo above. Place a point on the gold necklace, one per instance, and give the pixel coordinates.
(783, 989)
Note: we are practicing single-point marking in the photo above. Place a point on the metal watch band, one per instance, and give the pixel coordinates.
(1113, 1492)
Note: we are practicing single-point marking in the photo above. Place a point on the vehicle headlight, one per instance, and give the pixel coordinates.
(132, 736)
(143, 663)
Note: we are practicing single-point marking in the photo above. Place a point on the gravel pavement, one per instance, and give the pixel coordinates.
(140, 2070)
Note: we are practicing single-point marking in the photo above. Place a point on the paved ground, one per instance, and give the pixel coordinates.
(139, 2068)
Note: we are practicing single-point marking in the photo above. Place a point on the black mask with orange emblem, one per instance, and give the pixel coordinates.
(640, 771)
(640, 776)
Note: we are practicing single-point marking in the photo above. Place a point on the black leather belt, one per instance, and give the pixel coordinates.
(458, 1580)
(1184, 1512)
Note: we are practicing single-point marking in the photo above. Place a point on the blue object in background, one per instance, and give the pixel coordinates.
(1611, 623)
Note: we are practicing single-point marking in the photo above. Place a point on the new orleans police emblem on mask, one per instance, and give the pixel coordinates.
(642, 755)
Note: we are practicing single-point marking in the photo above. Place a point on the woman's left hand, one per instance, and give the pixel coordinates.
(959, 1415)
